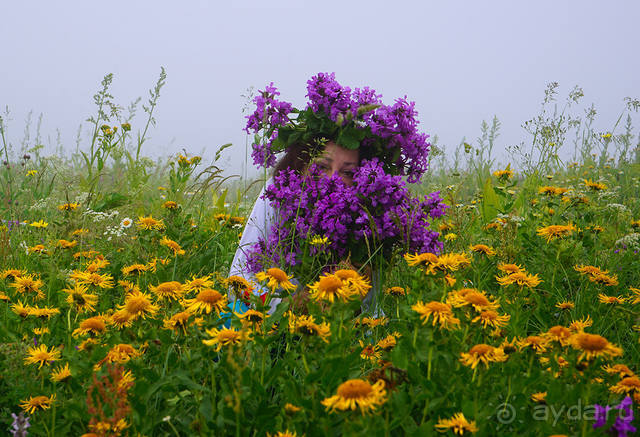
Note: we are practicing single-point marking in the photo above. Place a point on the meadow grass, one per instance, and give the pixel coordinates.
(527, 319)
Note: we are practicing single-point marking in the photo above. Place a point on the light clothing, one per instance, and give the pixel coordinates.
(258, 225)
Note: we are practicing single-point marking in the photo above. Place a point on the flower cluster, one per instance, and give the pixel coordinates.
(376, 208)
(352, 118)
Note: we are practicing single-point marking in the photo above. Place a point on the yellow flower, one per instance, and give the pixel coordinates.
(61, 374)
(357, 393)
(552, 232)
(168, 290)
(450, 236)
(170, 204)
(521, 279)
(93, 278)
(510, 268)
(426, 259)
(505, 174)
(206, 301)
(175, 247)
(471, 297)
(307, 326)
(39, 224)
(198, 284)
(491, 318)
(539, 398)
(359, 284)
(603, 298)
(177, 321)
(595, 186)
(369, 352)
(120, 353)
(149, 223)
(291, 409)
(93, 326)
(32, 172)
(121, 319)
(387, 343)
(42, 355)
(593, 345)
(620, 369)
(482, 353)
(628, 385)
(552, 191)
(138, 305)
(67, 244)
(134, 269)
(329, 288)
(21, 309)
(38, 248)
(537, 343)
(458, 424)
(565, 305)
(440, 312)
(483, 248)
(449, 262)
(28, 284)
(68, 207)
(252, 317)
(12, 273)
(558, 333)
(396, 291)
(37, 403)
(607, 280)
(317, 240)
(276, 279)
(579, 325)
(44, 312)
(371, 322)
(225, 337)
(589, 270)
(286, 433)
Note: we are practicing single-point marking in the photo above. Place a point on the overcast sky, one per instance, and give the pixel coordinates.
(461, 61)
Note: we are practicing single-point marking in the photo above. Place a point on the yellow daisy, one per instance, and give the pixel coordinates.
(206, 301)
(33, 404)
(357, 393)
(276, 279)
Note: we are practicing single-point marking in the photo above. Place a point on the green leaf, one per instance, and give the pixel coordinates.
(350, 137)
(490, 202)
(110, 201)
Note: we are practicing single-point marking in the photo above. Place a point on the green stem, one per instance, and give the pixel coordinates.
(304, 362)
(429, 363)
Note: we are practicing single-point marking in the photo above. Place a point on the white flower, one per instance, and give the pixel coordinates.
(126, 223)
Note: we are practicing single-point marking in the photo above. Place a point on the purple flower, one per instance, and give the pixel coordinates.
(387, 132)
(622, 424)
(19, 425)
(601, 415)
(377, 208)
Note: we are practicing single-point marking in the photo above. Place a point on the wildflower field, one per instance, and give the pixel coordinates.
(114, 292)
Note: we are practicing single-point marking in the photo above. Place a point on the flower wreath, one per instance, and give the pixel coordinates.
(352, 118)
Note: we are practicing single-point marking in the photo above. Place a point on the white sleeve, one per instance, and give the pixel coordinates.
(258, 226)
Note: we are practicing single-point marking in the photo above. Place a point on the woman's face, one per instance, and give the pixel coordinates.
(337, 159)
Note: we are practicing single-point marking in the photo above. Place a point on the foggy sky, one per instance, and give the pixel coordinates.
(460, 61)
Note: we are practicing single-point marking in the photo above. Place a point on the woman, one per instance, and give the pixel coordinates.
(333, 160)
(361, 206)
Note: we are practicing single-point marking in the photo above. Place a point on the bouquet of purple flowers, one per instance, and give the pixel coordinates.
(374, 215)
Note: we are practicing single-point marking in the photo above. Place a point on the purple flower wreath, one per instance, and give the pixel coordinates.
(354, 119)
(377, 209)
